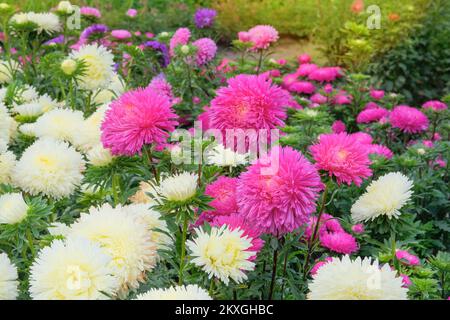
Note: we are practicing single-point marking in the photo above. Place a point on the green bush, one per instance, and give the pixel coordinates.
(419, 68)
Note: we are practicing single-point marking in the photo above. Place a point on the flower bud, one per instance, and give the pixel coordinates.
(68, 66)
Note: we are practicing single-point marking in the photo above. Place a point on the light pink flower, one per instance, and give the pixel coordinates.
(180, 37)
(262, 36)
(327, 74)
(90, 12)
(132, 13)
(434, 105)
(305, 70)
(206, 50)
(121, 34)
(371, 115)
(381, 150)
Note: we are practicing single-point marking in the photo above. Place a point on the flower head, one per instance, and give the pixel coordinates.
(121, 34)
(124, 236)
(384, 196)
(204, 17)
(49, 167)
(407, 257)
(137, 118)
(90, 12)
(262, 36)
(180, 37)
(371, 115)
(360, 279)
(179, 187)
(222, 253)
(189, 292)
(343, 156)
(73, 270)
(224, 157)
(409, 120)
(223, 190)
(7, 163)
(13, 208)
(340, 242)
(8, 279)
(206, 50)
(279, 191)
(434, 105)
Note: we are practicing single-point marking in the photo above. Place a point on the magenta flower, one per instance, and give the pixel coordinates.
(377, 94)
(262, 36)
(204, 17)
(223, 190)
(434, 105)
(121, 34)
(358, 228)
(302, 87)
(340, 242)
(408, 119)
(139, 117)
(381, 151)
(282, 201)
(320, 264)
(338, 126)
(90, 12)
(132, 13)
(318, 98)
(343, 157)
(327, 74)
(180, 37)
(206, 50)
(305, 70)
(371, 115)
(304, 58)
(407, 258)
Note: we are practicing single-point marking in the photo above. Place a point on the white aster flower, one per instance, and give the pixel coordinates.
(59, 229)
(385, 196)
(114, 89)
(27, 94)
(222, 253)
(344, 279)
(28, 129)
(7, 163)
(155, 225)
(46, 22)
(8, 279)
(47, 103)
(76, 269)
(50, 167)
(99, 156)
(124, 237)
(179, 187)
(224, 157)
(5, 127)
(189, 292)
(60, 124)
(99, 63)
(32, 109)
(89, 136)
(13, 208)
(7, 70)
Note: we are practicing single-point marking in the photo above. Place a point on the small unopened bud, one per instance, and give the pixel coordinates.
(185, 49)
(65, 7)
(68, 66)
(421, 151)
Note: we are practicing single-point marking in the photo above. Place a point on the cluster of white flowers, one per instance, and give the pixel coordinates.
(45, 22)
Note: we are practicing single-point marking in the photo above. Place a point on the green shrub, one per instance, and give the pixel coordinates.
(419, 68)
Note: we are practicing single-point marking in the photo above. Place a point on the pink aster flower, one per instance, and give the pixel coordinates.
(244, 36)
(289, 79)
(305, 70)
(137, 118)
(160, 85)
(327, 74)
(223, 190)
(407, 257)
(381, 150)
(206, 50)
(304, 58)
(434, 105)
(377, 94)
(121, 34)
(343, 157)
(132, 13)
(328, 88)
(358, 228)
(262, 36)
(338, 126)
(180, 37)
(319, 265)
(302, 87)
(405, 280)
(340, 242)
(249, 102)
(342, 99)
(328, 224)
(408, 119)
(90, 12)
(318, 98)
(371, 115)
(237, 221)
(362, 137)
(279, 202)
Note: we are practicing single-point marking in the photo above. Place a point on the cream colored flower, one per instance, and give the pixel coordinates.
(7, 163)
(8, 279)
(179, 187)
(190, 292)
(13, 208)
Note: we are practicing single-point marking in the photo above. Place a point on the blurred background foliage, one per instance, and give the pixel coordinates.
(409, 53)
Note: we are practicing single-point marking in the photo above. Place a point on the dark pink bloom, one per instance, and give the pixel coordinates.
(278, 192)
(302, 87)
(407, 258)
(342, 99)
(381, 150)
(343, 157)
(223, 190)
(318, 98)
(362, 137)
(338, 126)
(377, 94)
(405, 280)
(320, 264)
(304, 58)
(409, 120)
(434, 105)
(371, 115)
(328, 88)
(327, 74)
(358, 228)
(340, 242)
(137, 118)
(305, 70)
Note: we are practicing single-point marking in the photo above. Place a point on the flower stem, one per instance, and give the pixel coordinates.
(183, 249)
(259, 61)
(274, 273)
(114, 186)
(312, 239)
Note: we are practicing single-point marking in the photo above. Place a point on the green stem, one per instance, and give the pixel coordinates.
(274, 273)
(211, 288)
(30, 243)
(259, 61)
(183, 249)
(115, 185)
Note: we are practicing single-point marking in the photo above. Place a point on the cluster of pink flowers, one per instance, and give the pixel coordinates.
(139, 117)
(261, 36)
(343, 156)
(406, 257)
(434, 105)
